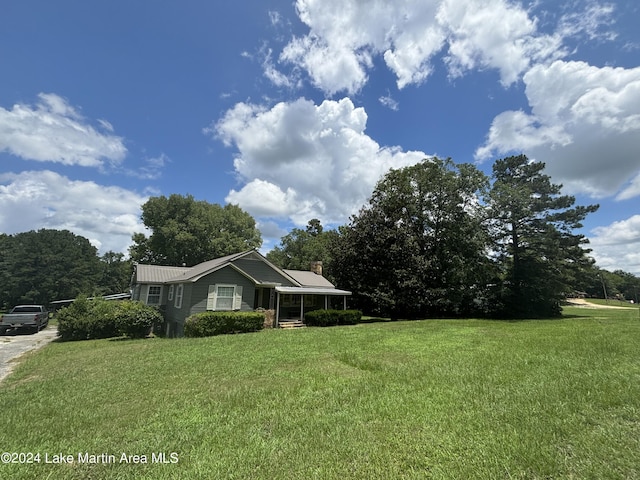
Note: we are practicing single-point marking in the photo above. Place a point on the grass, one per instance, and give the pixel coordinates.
(425, 399)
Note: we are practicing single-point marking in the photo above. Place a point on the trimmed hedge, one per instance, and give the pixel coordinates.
(88, 319)
(207, 324)
(328, 318)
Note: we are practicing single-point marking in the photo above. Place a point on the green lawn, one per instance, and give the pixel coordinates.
(427, 399)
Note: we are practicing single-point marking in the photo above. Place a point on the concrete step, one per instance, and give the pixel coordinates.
(291, 324)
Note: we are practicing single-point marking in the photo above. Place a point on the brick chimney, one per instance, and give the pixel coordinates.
(316, 267)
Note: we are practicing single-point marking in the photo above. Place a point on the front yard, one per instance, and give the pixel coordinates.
(423, 399)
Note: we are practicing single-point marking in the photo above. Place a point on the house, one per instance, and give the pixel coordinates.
(244, 281)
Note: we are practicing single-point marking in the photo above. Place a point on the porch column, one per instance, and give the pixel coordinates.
(326, 302)
(277, 309)
(301, 307)
(344, 302)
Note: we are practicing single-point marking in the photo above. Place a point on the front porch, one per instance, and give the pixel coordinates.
(293, 302)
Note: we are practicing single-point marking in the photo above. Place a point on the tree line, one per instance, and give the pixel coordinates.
(435, 239)
(38, 267)
(442, 239)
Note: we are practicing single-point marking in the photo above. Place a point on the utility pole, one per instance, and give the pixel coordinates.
(604, 289)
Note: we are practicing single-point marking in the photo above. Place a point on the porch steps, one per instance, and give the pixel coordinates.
(291, 324)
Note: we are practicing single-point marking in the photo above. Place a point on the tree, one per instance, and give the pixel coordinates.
(186, 231)
(300, 247)
(47, 265)
(533, 225)
(617, 284)
(420, 247)
(116, 273)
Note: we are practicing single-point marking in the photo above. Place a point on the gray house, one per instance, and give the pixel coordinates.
(243, 281)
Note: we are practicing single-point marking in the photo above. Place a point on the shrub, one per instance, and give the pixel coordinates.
(326, 318)
(88, 319)
(135, 319)
(206, 324)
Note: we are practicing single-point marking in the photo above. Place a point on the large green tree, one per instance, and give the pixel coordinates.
(186, 231)
(420, 247)
(300, 247)
(116, 273)
(533, 224)
(46, 265)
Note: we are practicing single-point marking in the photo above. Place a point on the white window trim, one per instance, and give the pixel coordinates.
(212, 297)
(179, 295)
(159, 302)
(170, 294)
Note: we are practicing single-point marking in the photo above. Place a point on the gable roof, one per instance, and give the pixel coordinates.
(163, 274)
(196, 272)
(157, 273)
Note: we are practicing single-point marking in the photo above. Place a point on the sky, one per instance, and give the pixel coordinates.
(295, 109)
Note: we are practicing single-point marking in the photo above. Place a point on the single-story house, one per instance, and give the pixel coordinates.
(244, 281)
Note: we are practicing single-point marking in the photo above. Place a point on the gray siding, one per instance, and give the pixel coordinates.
(262, 272)
(228, 276)
(194, 299)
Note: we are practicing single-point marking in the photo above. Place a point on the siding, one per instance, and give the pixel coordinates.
(194, 298)
(262, 272)
(228, 276)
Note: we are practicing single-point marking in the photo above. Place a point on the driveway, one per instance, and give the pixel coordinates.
(13, 344)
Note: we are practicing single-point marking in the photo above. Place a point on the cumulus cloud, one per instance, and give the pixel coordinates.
(106, 215)
(345, 35)
(617, 246)
(300, 161)
(52, 130)
(584, 123)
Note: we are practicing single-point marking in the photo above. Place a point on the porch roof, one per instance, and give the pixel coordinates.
(312, 291)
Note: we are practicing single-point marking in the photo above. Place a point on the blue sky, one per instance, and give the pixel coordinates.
(294, 109)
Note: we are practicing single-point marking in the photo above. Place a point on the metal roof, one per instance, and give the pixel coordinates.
(309, 282)
(312, 291)
(157, 273)
(307, 278)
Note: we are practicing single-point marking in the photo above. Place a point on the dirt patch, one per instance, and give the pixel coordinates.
(581, 302)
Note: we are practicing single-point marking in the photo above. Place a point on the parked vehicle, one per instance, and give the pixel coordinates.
(34, 317)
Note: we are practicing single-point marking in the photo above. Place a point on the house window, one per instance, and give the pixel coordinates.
(171, 293)
(154, 294)
(179, 292)
(224, 297)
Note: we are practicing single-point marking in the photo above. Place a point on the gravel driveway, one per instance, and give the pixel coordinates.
(14, 344)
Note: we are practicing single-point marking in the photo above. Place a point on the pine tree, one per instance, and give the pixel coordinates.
(533, 226)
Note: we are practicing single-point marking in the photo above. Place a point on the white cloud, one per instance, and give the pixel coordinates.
(275, 17)
(631, 191)
(52, 130)
(590, 22)
(300, 160)
(345, 35)
(389, 102)
(617, 246)
(106, 215)
(276, 77)
(151, 170)
(495, 34)
(584, 123)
